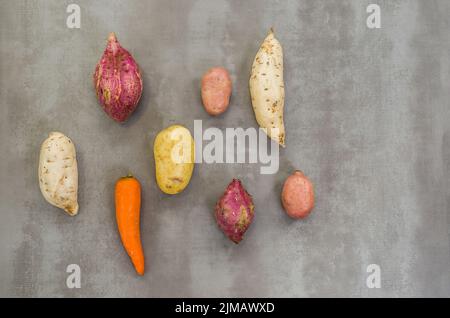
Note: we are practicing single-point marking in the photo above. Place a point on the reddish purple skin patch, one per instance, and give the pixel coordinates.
(117, 81)
(234, 211)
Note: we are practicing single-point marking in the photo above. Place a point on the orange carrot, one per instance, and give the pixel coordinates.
(128, 205)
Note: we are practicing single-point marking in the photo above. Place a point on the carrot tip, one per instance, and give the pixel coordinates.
(140, 272)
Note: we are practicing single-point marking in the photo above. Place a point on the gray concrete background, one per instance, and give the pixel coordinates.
(367, 116)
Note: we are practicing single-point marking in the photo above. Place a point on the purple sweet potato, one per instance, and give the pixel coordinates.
(234, 211)
(117, 81)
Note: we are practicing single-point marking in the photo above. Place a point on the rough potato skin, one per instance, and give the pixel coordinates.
(297, 195)
(216, 90)
(58, 172)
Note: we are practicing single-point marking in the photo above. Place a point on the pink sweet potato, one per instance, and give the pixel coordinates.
(297, 195)
(216, 90)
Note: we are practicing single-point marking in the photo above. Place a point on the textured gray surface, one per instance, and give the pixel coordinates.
(367, 119)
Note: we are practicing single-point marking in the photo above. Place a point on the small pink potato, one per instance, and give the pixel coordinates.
(297, 195)
(216, 90)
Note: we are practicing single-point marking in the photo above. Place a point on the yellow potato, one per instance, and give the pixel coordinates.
(174, 152)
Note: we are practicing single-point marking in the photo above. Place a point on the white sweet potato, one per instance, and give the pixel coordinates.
(58, 172)
(267, 88)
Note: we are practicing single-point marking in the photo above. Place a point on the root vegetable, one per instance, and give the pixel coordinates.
(174, 152)
(234, 211)
(267, 88)
(58, 172)
(117, 81)
(128, 205)
(297, 195)
(216, 90)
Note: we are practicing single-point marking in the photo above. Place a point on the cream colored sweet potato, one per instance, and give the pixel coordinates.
(267, 88)
(58, 172)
